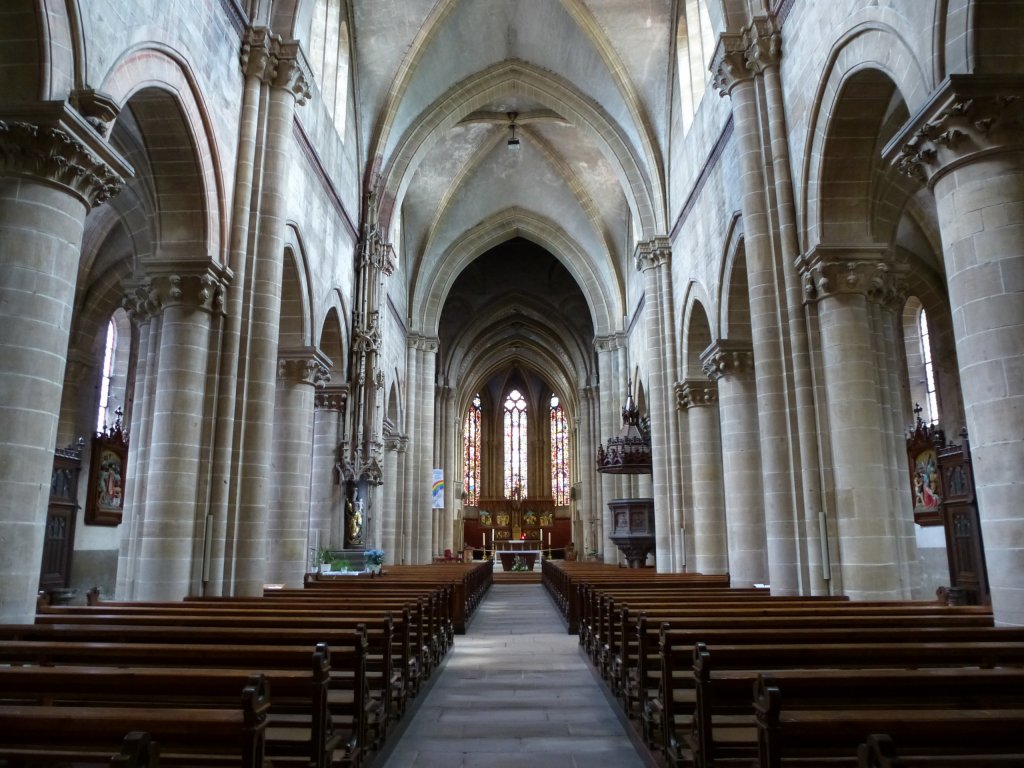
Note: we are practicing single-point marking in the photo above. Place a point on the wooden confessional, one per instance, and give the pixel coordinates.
(942, 483)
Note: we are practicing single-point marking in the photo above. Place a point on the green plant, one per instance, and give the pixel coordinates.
(518, 564)
(340, 565)
(323, 555)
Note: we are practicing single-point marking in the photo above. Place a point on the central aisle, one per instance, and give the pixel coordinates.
(516, 692)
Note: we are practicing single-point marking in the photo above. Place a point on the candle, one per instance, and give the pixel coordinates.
(549, 539)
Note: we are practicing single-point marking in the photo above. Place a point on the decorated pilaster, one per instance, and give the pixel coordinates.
(736, 74)
(300, 373)
(967, 145)
(698, 398)
(290, 86)
(844, 283)
(731, 365)
(54, 168)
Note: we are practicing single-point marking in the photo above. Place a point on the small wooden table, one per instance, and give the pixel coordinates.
(528, 556)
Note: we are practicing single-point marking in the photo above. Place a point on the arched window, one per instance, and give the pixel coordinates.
(107, 376)
(329, 57)
(931, 398)
(559, 454)
(471, 454)
(515, 445)
(695, 42)
(113, 382)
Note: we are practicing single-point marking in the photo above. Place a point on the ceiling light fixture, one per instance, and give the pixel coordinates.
(513, 142)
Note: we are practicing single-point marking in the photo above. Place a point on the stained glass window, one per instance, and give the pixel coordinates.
(471, 452)
(515, 445)
(559, 454)
(929, 370)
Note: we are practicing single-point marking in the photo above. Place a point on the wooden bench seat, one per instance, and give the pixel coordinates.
(316, 710)
(724, 727)
(832, 736)
(232, 736)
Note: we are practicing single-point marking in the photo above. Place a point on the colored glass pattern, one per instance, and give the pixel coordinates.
(559, 454)
(471, 452)
(515, 445)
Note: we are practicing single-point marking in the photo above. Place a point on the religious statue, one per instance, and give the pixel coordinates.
(353, 521)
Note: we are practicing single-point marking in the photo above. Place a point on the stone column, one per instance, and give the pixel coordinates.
(611, 399)
(141, 312)
(699, 399)
(425, 431)
(393, 445)
(588, 495)
(171, 536)
(54, 168)
(735, 78)
(291, 86)
(843, 281)
(300, 373)
(967, 145)
(653, 258)
(257, 63)
(327, 496)
(409, 465)
(731, 365)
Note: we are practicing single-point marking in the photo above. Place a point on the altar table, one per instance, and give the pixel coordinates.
(508, 558)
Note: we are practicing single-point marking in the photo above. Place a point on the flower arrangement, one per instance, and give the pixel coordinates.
(374, 556)
(519, 565)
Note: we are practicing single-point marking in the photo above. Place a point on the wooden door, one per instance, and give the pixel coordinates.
(59, 540)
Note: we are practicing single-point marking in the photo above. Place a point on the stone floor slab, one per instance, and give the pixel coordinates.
(515, 690)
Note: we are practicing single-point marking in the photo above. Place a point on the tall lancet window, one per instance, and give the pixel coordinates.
(109, 350)
(929, 370)
(471, 453)
(515, 445)
(559, 454)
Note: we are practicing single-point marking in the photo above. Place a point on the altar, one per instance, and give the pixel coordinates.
(518, 545)
(528, 556)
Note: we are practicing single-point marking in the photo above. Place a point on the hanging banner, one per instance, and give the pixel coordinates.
(437, 490)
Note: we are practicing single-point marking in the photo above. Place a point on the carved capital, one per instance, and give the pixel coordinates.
(694, 393)
(57, 145)
(204, 290)
(293, 72)
(331, 398)
(257, 56)
(396, 442)
(276, 62)
(610, 342)
(729, 63)
(653, 253)
(727, 358)
(306, 365)
(831, 271)
(763, 43)
(140, 303)
(967, 117)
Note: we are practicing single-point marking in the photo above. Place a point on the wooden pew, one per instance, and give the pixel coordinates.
(879, 751)
(813, 736)
(315, 711)
(210, 736)
(388, 654)
(724, 727)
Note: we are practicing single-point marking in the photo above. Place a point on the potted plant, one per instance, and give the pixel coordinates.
(374, 560)
(323, 559)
